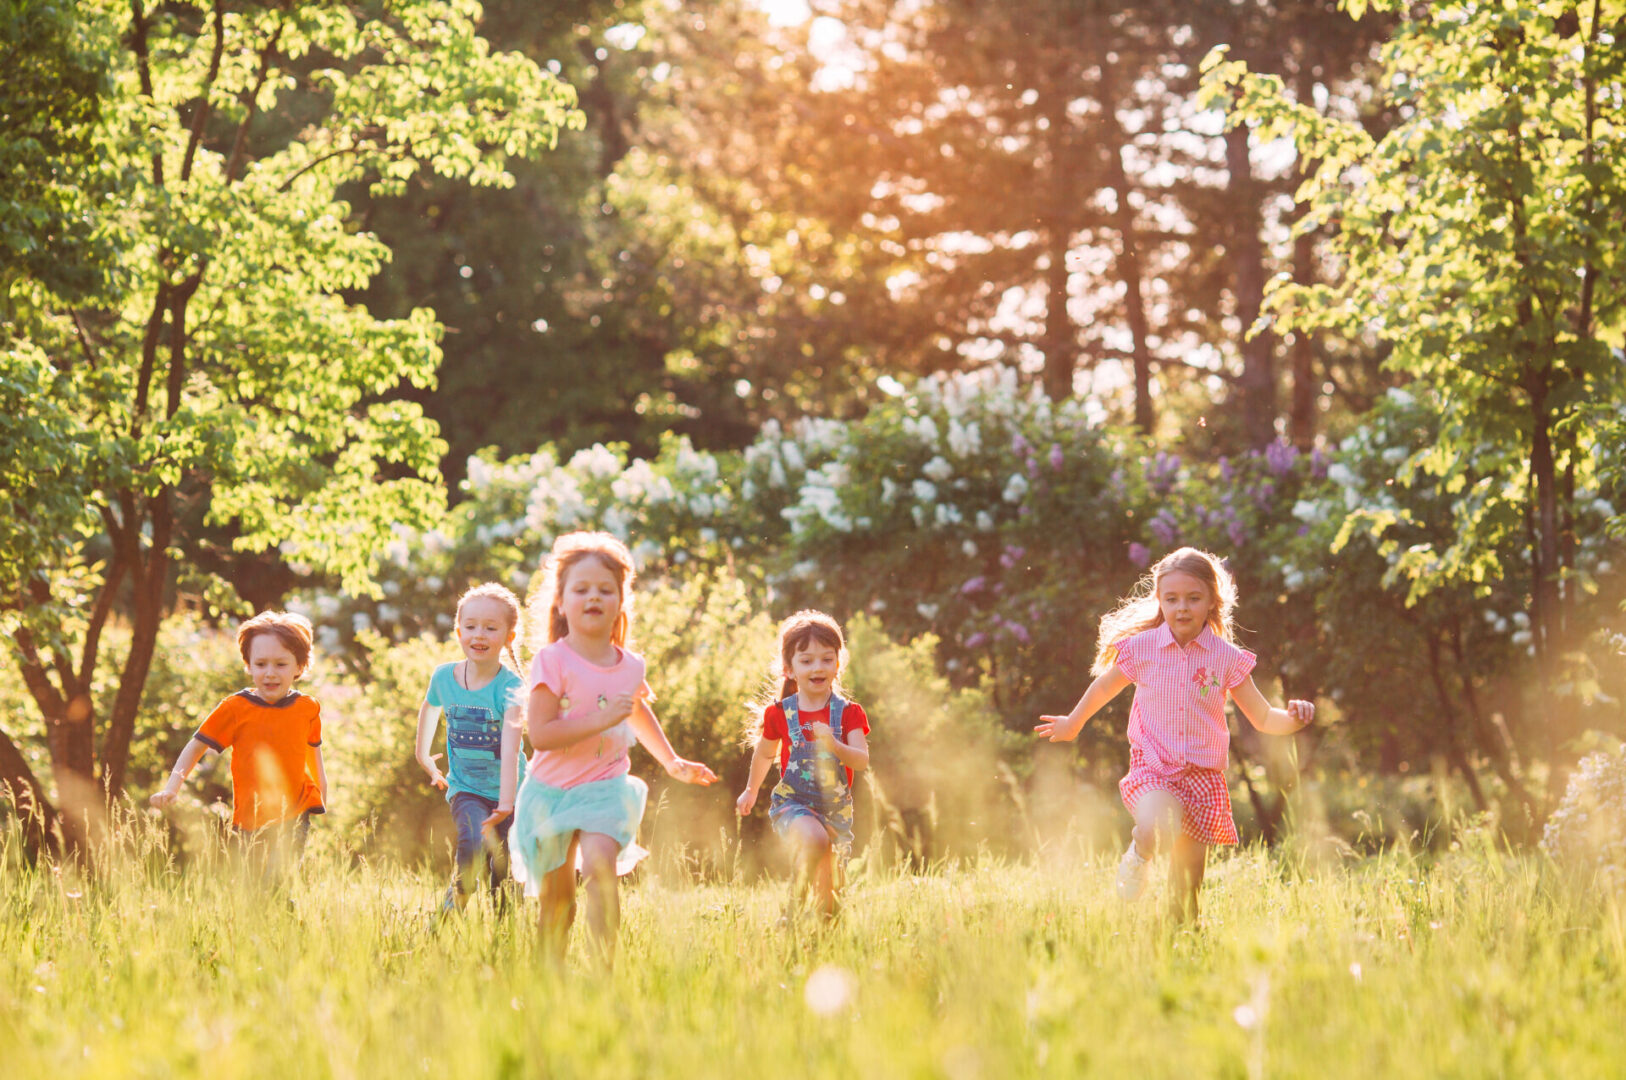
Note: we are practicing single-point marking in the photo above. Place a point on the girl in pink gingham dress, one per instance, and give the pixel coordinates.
(1172, 639)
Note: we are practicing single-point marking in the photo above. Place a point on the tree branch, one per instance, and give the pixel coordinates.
(202, 116)
(252, 101)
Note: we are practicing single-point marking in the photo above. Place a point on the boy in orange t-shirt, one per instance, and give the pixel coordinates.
(275, 732)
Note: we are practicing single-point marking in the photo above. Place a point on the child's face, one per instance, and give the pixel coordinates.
(271, 667)
(1185, 603)
(483, 629)
(591, 599)
(815, 666)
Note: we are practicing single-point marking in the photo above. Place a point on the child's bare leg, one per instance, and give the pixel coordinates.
(1157, 819)
(603, 896)
(557, 909)
(815, 863)
(1186, 864)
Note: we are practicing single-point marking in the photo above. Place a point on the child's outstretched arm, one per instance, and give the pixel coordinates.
(853, 753)
(511, 724)
(653, 736)
(190, 754)
(1262, 715)
(428, 720)
(1066, 728)
(762, 759)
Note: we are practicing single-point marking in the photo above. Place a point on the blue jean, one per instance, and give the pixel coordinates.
(468, 811)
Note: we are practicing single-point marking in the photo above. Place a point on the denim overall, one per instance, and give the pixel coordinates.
(813, 782)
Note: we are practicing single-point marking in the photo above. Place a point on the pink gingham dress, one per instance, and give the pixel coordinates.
(1178, 740)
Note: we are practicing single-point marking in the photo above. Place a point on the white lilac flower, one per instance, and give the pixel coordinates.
(597, 461)
(924, 491)
(985, 522)
(1340, 474)
(794, 462)
(927, 611)
(889, 490)
(1015, 488)
(937, 469)
(776, 475)
(969, 547)
(948, 514)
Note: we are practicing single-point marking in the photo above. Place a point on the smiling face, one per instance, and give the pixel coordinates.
(484, 627)
(1185, 602)
(590, 599)
(815, 666)
(272, 668)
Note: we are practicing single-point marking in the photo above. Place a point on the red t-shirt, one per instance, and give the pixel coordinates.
(773, 727)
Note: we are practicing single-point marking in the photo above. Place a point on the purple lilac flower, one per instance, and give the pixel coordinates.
(1263, 494)
(1139, 553)
(1033, 466)
(1237, 533)
(1018, 631)
(1164, 528)
(1020, 445)
(1161, 470)
(975, 585)
(1280, 455)
(1011, 556)
(1227, 470)
(1304, 530)
(1056, 457)
(1318, 464)
(976, 640)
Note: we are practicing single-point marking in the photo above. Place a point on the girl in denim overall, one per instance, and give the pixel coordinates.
(819, 739)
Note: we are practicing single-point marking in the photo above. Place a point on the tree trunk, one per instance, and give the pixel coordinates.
(1129, 258)
(41, 829)
(1301, 415)
(148, 616)
(1258, 381)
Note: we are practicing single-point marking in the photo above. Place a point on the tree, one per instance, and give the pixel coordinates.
(1475, 238)
(220, 381)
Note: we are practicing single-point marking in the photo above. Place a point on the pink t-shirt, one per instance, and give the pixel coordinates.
(1178, 716)
(579, 686)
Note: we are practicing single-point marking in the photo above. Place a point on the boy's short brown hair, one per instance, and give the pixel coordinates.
(294, 631)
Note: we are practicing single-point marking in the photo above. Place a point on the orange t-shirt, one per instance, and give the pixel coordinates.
(271, 774)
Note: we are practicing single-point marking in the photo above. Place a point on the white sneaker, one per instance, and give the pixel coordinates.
(1132, 873)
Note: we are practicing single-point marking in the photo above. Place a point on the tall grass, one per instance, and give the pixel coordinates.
(1473, 964)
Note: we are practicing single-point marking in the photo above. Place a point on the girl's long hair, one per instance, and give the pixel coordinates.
(502, 594)
(799, 631)
(547, 616)
(1140, 610)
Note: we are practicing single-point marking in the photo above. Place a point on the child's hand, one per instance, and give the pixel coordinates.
(495, 818)
(435, 776)
(747, 799)
(1057, 728)
(1302, 712)
(163, 799)
(822, 734)
(690, 772)
(616, 709)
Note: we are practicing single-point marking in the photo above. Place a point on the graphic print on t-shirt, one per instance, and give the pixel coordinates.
(474, 746)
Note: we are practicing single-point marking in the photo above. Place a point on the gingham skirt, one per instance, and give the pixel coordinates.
(1204, 796)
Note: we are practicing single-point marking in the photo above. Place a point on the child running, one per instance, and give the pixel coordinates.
(1173, 640)
(819, 739)
(588, 702)
(483, 702)
(275, 734)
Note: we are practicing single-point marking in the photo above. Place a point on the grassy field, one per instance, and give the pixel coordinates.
(1475, 964)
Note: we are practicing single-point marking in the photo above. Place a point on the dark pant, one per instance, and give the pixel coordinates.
(468, 811)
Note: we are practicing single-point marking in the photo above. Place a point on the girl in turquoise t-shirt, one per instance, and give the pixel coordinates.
(482, 701)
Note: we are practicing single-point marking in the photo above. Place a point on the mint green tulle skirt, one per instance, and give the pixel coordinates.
(547, 818)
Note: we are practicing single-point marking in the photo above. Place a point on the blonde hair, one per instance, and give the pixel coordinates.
(293, 631)
(800, 631)
(502, 594)
(547, 616)
(1140, 610)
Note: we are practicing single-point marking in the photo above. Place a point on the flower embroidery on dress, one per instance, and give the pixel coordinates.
(1205, 680)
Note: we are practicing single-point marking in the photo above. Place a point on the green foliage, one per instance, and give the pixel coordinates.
(222, 401)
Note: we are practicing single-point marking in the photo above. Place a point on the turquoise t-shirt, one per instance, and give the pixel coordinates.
(474, 729)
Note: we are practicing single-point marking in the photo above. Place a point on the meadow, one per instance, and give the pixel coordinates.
(1473, 962)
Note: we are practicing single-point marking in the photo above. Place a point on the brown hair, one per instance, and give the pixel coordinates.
(547, 617)
(1141, 611)
(503, 595)
(294, 631)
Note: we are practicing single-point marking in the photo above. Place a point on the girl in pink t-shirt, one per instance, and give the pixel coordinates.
(1172, 639)
(588, 703)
